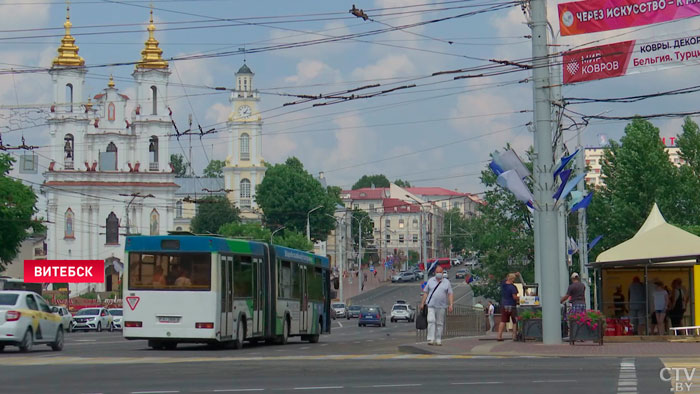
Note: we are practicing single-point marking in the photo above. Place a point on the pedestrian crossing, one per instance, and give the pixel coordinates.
(627, 381)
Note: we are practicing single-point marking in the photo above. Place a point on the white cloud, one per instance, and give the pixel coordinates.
(23, 16)
(389, 66)
(314, 71)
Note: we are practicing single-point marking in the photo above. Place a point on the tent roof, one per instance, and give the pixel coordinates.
(656, 241)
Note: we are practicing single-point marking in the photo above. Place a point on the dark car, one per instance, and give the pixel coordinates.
(372, 315)
(354, 311)
(461, 273)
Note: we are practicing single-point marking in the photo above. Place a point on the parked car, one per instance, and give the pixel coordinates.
(93, 319)
(372, 315)
(461, 273)
(402, 312)
(66, 317)
(26, 319)
(340, 309)
(354, 311)
(455, 262)
(117, 316)
(403, 276)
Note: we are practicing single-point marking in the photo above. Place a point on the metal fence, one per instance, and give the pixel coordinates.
(464, 321)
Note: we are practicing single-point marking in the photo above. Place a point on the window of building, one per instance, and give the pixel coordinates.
(356, 206)
(400, 238)
(111, 112)
(371, 208)
(388, 238)
(387, 223)
(444, 205)
(415, 238)
(457, 205)
(597, 170)
(415, 223)
(178, 228)
(108, 159)
(401, 223)
(178, 209)
(154, 98)
(68, 152)
(245, 146)
(153, 153)
(155, 222)
(69, 97)
(112, 225)
(245, 193)
(69, 231)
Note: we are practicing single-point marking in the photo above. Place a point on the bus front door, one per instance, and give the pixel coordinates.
(304, 304)
(226, 319)
(258, 298)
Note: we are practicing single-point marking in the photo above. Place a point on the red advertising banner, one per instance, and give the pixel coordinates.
(629, 57)
(590, 16)
(64, 271)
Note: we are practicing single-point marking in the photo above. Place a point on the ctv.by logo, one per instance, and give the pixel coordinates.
(683, 378)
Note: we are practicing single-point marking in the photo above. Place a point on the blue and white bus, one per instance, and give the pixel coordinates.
(206, 289)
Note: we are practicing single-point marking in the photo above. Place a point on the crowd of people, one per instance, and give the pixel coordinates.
(665, 307)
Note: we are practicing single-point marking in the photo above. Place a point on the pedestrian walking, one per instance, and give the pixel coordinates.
(438, 297)
(661, 303)
(679, 303)
(576, 294)
(491, 312)
(509, 302)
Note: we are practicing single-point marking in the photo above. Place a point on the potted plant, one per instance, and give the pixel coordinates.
(530, 324)
(586, 326)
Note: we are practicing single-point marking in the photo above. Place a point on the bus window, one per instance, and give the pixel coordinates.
(297, 272)
(242, 277)
(162, 271)
(314, 281)
(285, 280)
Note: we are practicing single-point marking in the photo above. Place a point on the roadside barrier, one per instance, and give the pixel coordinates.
(464, 321)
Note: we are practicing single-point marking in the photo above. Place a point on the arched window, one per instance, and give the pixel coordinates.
(69, 231)
(178, 209)
(108, 159)
(245, 146)
(415, 223)
(154, 98)
(178, 228)
(69, 97)
(68, 152)
(110, 112)
(400, 223)
(153, 153)
(155, 222)
(112, 226)
(245, 193)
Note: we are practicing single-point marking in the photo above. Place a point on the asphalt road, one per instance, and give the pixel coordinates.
(350, 360)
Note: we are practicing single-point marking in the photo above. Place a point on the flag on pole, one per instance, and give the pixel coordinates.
(594, 242)
(571, 185)
(576, 196)
(573, 246)
(583, 204)
(513, 182)
(564, 161)
(495, 168)
(509, 160)
(564, 175)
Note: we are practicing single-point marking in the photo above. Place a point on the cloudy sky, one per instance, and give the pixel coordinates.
(438, 133)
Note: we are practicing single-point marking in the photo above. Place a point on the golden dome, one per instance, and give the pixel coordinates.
(151, 55)
(68, 51)
(110, 84)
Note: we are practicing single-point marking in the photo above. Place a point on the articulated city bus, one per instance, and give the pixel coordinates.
(206, 289)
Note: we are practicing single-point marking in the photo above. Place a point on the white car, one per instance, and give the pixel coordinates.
(92, 319)
(117, 316)
(66, 317)
(402, 312)
(340, 310)
(26, 319)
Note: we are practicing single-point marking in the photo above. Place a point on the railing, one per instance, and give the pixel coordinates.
(153, 166)
(245, 202)
(245, 156)
(464, 321)
(68, 164)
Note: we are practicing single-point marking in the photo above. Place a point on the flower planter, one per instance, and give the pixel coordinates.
(531, 329)
(585, 332)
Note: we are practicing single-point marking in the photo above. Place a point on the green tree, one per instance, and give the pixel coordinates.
(360, 216)
(213, 212)
(334, 191)
(288, 192)
(637, 174)
(455, 231)
(378, 180)
(17, 206)
(179, 165)
(215, 169)
(294, 240)
(402, 183)
(254, 231)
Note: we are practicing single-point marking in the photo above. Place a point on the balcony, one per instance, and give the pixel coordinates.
(153, 166)
(68, 164)
(245, 202)
(245, 156)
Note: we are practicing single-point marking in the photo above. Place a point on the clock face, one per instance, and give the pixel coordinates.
(244, 111)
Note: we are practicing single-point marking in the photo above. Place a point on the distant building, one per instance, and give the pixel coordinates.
(32, 248)
(190, 192)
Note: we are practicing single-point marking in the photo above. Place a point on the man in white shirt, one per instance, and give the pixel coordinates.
(439, 297)
(491, 312)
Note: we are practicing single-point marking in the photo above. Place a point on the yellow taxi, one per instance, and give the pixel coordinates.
(26, 319)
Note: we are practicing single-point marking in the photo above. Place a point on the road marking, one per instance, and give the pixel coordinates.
(319, 388)
(397, 385)
(153, 392)
(554, 381)
(86, 340)
(340, 324)
(236, 390)
(627, 380)
(304, 348)
(470, 383)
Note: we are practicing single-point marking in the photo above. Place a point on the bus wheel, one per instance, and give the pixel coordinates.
(285, 333)
(240, 336)
(314, 338)
(155, 345)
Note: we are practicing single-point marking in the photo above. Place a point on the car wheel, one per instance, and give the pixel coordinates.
(99, 327)
(57, 344)
(27, 342)
(392, 320)
(240, 335)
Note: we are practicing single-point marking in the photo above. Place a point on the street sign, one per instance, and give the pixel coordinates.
(371, 268)
(132, 302)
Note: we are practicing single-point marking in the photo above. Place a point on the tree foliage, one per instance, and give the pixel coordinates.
(215, 169)
(402, 183)
(17, 206)
(180, 166)
(256, 232)
(379, 180)
(360, 216)
(214, 211)
(288, 192)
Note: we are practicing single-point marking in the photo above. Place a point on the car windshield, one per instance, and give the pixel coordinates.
(8, 299)
(370, 310)
(116, 312)
(338, 305)
(88, 312)
(355, 308)
(400, 307)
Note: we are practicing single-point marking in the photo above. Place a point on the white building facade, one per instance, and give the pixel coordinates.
(110, 174)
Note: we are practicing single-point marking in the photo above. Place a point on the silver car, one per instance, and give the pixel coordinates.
(93, 319)
(66, 317)
(26, 319)
(402, 312)
(340, 309)
(117, 316)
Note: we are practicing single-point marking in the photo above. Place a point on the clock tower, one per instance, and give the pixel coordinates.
(244, 168)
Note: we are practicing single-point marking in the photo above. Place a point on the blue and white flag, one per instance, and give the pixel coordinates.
(509, 160)
(513, 182)
(594, 242)
(573, 246)
(564, 161)
(570, 186)
(564, 175)
(583, 204)
(495, 168)
(576, 196)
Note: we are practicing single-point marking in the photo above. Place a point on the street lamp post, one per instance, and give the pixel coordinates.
(359, 250)
(423, 244)
(308, 226)
(339, 261)
(275, 232)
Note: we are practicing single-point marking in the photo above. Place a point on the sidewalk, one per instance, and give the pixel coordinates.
(487, 345)
(351, 286)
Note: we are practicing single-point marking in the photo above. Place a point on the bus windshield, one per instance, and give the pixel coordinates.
(164, 271)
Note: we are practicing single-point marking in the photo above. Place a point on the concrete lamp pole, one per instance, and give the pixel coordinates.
(308, 225)
(339, 261)
(275, 232)
(359, 251)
